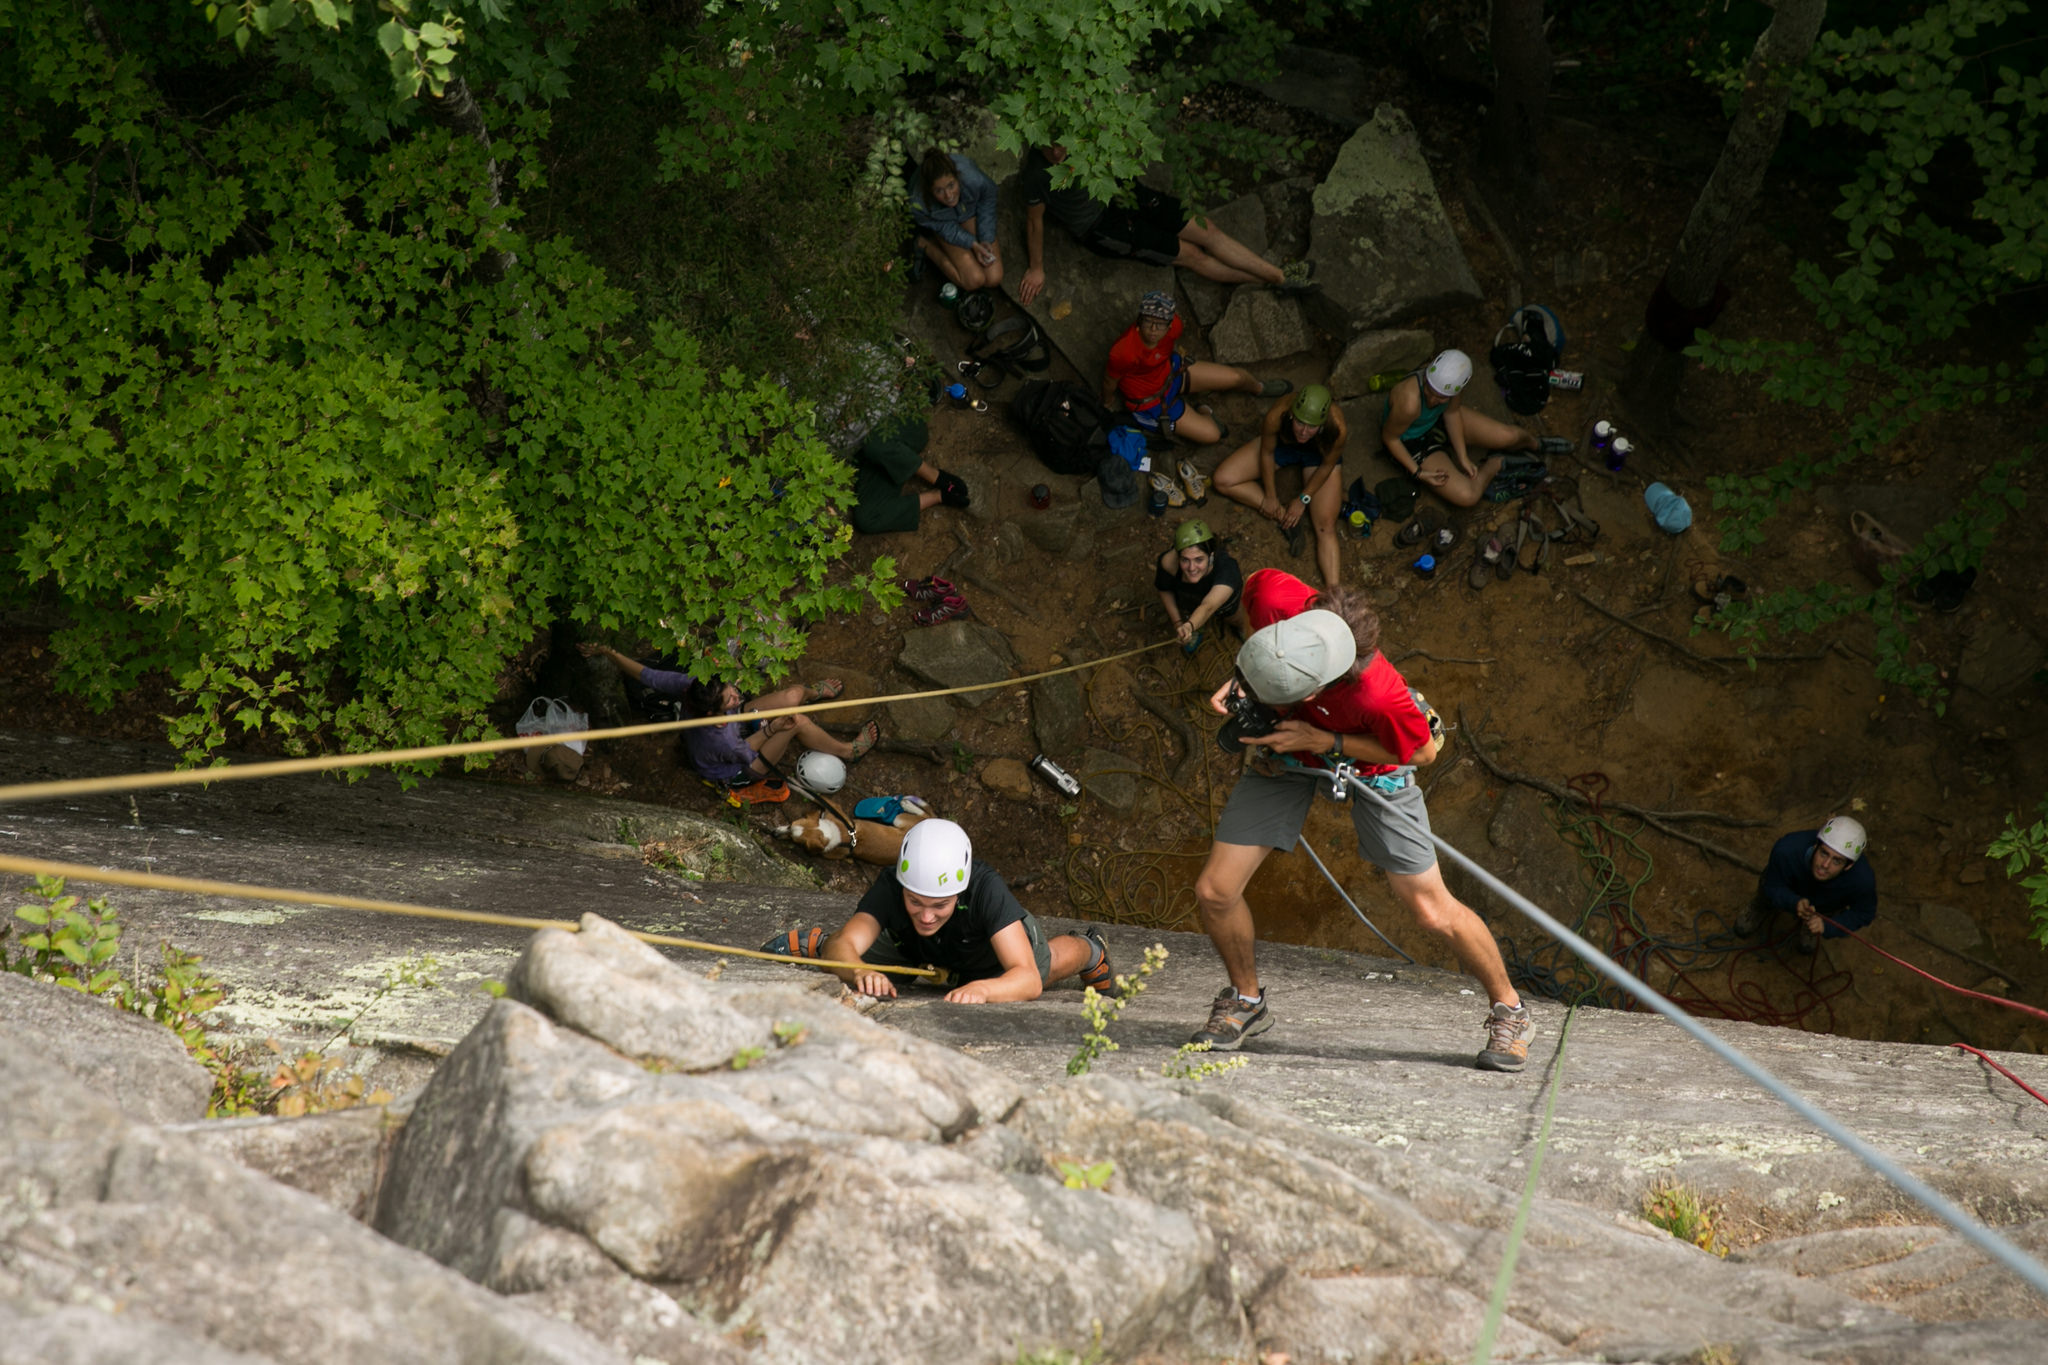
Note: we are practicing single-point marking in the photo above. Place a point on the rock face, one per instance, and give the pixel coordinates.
(2000, 657)
(1259, 325)
(1372, 353)
(1329, 85)
(1059, 714)
(1007, 777)
(958, 654)
(1088, 301)
(1106, 776)
(1383, 247)
(137, 1064)
(121, 1243)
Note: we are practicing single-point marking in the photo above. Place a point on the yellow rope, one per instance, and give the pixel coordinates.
(197, 777)
(150, 881)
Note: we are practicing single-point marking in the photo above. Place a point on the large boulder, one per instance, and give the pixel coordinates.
(1330, 85)
(1059, 714)
(150, 1248)
(1088, 300)
(138, 1065)
(1379, 352)
(1383, 246)
(959, 654)
(1259, 325)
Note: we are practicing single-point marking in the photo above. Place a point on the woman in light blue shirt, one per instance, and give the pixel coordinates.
(954, 207)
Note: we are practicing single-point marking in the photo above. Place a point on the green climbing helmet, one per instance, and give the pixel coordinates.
(1192, 533)
(1312, 408)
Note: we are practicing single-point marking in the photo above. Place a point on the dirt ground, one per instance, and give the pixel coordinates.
(1587, 674)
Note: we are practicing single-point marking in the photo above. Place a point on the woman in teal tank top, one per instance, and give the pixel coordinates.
(1429, 432)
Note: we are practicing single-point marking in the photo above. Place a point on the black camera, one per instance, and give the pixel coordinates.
(1250, 718)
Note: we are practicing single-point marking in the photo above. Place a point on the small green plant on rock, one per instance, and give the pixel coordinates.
(1103, 1010)
(1077, 1176)
(1182, 1066)
(1680, 1211)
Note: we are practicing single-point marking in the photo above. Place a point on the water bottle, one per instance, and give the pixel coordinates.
(1060, 779)
(1618, 453)
(1603, 436)
(1385, 380)
(1425, 567)
(1361, 525)
(958, 394)
(949, 294)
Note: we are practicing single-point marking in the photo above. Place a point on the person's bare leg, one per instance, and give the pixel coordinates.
(1481, 432)
(1193, 257)
(1070, 954)
(967, 272)
(1237, 478)
(1206, 376)
(1440, 913)
(1231, 253)
(1197, 428)
(1460, 489)
(1226, 915)
(1322, 515)
(936, 253)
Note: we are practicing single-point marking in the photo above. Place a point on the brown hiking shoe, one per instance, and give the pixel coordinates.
(1231, 1021)
(1509, 1030)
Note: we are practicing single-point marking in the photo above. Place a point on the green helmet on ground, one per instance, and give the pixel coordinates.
(1192, 533)
(1312, 408)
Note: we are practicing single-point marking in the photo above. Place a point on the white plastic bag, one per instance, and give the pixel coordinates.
(553, 716)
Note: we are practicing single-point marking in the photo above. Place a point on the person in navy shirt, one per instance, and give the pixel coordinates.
(1819, 875)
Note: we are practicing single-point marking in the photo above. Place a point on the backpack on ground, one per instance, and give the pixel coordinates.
(1524, 353)
(1014, 346)
(1065, 425)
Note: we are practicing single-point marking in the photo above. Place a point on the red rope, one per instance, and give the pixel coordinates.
(1949, 985)
(2002, 1071)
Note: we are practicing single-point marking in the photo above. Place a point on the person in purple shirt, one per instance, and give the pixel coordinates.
(738, 755)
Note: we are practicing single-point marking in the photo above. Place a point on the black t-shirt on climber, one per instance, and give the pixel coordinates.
(962, 945)
(1070, 206)
(1223, 573)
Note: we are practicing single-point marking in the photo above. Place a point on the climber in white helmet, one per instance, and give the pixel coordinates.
(1820, 876)
(1430, 433)
(938, 907)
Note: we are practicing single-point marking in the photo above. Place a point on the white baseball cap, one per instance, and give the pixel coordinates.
(1292, 660)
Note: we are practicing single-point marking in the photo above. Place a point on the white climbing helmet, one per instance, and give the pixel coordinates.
(820, 773)
(1450, 372)
(936, 859)
(1844, 836)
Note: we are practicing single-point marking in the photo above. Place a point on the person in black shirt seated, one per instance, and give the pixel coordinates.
(939, 908)
(1199, 583)
(1155, 228)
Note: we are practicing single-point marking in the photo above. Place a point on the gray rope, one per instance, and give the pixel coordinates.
(1310, 850)
(1987, 1241)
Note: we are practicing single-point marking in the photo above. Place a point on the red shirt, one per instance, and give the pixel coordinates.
(1376, 703)
(1142, 371)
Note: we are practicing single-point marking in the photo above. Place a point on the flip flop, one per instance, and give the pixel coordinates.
(825, 689)
(864, 741)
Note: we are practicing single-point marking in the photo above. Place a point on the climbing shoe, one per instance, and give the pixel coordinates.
(767, 792)
(1273, 388)
(1297, 537)
(1555, 445)
(945, 609)
(952, 489)
(1300, 279)
(1750, 922)
(1231, 1021)
(1097, 973)
(1509, 1030)
(926, 589)
(798, 943)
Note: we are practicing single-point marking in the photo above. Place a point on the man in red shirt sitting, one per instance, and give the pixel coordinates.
(1148, 376)
(1315, 658)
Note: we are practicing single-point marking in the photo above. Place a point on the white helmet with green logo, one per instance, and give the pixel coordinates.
(1845, 837)
(936, 858)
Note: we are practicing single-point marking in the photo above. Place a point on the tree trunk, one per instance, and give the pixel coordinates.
(1511, 146)
(1691, 294)
(456, 109)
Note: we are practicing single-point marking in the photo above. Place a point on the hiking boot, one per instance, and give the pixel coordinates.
(1750, 922)
(945, 609)
(1231, 1021)
(797, 943)
(1195, 482)
(1273, 388)
(1169, 488)
(952, 489)
(1509, 1030)
(1097, 973)
(768, 791)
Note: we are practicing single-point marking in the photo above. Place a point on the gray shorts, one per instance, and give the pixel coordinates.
(1269, 812)
(884, 953)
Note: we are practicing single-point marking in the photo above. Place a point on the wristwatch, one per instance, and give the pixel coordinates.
(1305, 499)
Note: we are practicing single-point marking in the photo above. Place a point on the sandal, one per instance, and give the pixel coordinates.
(826, 689)
(945, 609)
(866, 739)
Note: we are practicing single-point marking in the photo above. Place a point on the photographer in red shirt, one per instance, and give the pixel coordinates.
(1314, 659)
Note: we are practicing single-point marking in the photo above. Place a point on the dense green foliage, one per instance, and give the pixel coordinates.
(1945, 222)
